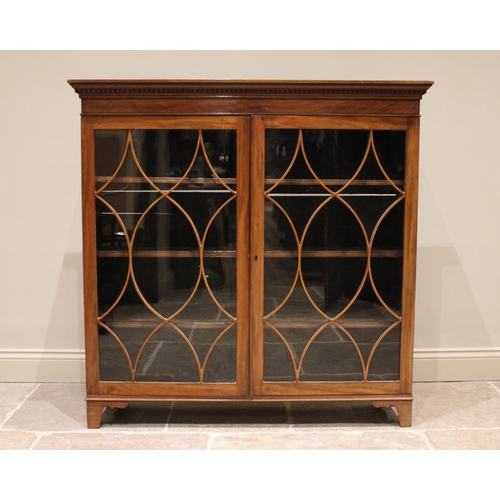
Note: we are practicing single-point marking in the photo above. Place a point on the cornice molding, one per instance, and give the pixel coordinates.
(249, 89)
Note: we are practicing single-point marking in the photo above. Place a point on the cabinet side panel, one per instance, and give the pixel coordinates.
(89, 257)
(410, 254)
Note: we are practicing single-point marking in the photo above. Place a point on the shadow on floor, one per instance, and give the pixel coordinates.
(340, 413)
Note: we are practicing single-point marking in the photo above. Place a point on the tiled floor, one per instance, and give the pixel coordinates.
(446, 416)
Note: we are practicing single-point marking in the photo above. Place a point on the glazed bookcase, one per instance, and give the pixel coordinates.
(249, 241)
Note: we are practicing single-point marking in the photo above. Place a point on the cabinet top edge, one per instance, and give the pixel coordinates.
(250, 88)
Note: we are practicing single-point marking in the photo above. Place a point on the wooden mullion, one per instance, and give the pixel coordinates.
(257, 255)
(243, 210)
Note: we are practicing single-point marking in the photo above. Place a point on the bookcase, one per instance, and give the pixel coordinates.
(249, 241)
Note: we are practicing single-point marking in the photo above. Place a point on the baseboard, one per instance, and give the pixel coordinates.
(48, 365)
(456, 365)
(430, 365)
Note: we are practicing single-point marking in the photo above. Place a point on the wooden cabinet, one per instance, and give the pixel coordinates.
(249, 241)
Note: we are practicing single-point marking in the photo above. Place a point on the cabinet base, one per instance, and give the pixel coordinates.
(95, 408)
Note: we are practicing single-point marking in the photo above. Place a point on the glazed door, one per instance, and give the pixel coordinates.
(330, 247)
(170, 245)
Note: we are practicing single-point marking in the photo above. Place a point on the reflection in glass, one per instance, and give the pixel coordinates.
(166, 248)
(333, 242)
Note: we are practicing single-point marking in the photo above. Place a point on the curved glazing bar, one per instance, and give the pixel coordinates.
(329, 198)
(166, 237)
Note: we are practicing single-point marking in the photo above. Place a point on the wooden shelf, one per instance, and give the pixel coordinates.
(333, 182)
(331, 253)
(167, 253)
(187, 324)
(232, 180)
(179, 323)
(271, 254)
(163, 180)
(351, 323)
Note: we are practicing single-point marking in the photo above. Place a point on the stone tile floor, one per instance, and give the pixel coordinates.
(446, 416)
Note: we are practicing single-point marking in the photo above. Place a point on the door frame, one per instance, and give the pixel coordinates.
(322, 390)
(124, 390)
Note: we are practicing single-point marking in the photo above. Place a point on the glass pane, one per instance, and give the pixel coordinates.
(114, 364)
(391, 147)
(168, 357)
(335, 154)
(385, 360)
(331, 356)
(166, 247)
(279, 359)
(111, 150)
(333, 242)
(220, 362)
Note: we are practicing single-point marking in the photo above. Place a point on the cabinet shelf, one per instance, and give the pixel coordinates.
(348, 324)
(166, 253)
(179, 323)
(272, 254)
(231, 180)
(225, 191)
(300, 325)
(331, 253)
(175, 192)
(326, 195)
(333, 182)
(101, 179)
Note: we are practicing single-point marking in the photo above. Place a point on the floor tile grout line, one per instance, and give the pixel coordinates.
(497, 389)
(210, 441)
(428, 439)
(281, 431)
(414, 429)
(211, 438)
(212, 432)
(12, 412)
(38, 438)
(167, 423)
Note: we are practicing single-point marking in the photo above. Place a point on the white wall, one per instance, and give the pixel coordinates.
(458, 283)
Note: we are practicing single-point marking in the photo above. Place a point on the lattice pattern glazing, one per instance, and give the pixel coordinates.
(334, 202)
(166, 239)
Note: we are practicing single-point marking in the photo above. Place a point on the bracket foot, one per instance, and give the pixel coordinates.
(403, 409)
(96, 408)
